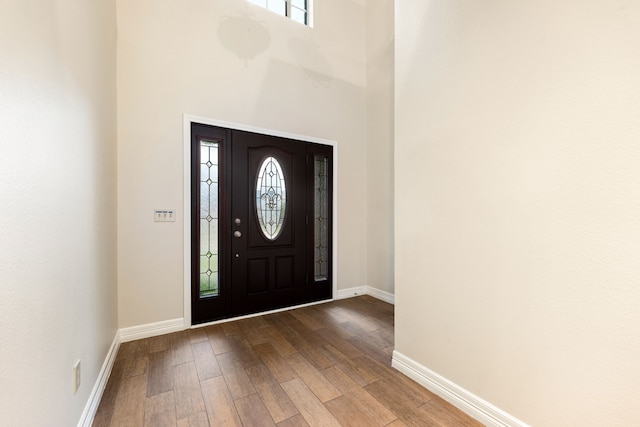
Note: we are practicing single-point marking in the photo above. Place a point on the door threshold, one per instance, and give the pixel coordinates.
(261, 313)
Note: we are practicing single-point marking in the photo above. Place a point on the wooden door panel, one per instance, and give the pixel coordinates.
(281, 278)
(257, 276)
(285, 272)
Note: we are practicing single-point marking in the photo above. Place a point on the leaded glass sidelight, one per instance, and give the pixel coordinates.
(321, 217)
(209, 218)
(271, 198)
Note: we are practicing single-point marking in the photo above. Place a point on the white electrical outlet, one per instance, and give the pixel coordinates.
(164, 215)
(76, 377)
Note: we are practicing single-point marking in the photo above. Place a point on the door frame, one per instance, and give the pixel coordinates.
(188, 119)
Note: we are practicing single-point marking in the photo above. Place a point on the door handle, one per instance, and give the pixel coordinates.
(237, 234)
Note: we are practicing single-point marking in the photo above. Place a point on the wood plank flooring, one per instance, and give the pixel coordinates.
(324, 365)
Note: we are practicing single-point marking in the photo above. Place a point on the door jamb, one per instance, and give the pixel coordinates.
(186, 265)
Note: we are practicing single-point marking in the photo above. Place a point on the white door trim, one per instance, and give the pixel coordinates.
(186, 266)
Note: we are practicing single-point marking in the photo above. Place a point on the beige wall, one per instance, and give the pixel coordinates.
(58, 196)
(233, 61)
(517, 203)
(380, 36)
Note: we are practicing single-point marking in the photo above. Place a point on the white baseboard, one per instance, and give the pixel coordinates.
(365, 290)
(381, 295)
(123, 335)
(151, 330)
(90, 409)
(464, 400)
(350, 292)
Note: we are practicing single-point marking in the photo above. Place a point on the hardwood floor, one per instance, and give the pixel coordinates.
(324, 365)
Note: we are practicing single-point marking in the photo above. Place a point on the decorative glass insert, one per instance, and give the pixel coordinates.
(321, 217)
(209, 219)
(298, 10)
(271, 198)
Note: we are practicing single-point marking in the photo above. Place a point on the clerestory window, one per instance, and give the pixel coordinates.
(298, 10)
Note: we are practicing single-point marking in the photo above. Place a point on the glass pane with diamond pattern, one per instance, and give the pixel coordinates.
(209, 273)
(321, 217)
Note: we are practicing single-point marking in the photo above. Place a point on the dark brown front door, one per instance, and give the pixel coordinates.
(260, 239)
(268, 207)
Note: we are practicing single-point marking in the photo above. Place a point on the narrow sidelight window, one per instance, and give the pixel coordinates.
(209, 218)
(321, 217)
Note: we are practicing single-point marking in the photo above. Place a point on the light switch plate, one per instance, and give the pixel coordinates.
(164, 215)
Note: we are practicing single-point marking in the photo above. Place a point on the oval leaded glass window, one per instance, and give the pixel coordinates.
(271, 198)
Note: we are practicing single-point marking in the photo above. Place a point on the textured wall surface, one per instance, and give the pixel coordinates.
(380, 33)
(232, 61)
(58, 196)
(517, 207)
